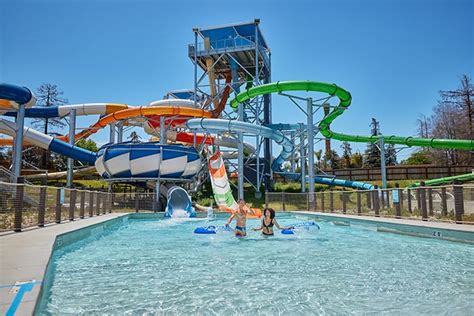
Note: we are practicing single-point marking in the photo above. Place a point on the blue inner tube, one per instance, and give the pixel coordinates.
(208, 230)
(300, 226)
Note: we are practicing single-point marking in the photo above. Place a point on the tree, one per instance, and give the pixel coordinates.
(318, 154)
(390, 155)
(460, 102)
(418, 158)
(346, 154)
(372, 153)
(48, 95)
(134, 137)
(333, 160)
(88, 144)
(357, 160)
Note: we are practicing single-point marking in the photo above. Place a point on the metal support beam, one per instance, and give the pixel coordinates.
(240, 159)
(162, 130)
(157, 195)
(383, 168)
(302, 159)
(293, 163)
(112, 133)
(120, 132)
(70, 161)
(310, 152)
(17, 151)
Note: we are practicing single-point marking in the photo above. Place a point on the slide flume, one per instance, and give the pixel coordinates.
(218, 125)
(344, 102)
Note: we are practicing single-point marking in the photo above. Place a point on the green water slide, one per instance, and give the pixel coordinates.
(446, 180)
(344, 102)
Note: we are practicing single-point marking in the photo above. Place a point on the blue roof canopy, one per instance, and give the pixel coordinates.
(233, 35)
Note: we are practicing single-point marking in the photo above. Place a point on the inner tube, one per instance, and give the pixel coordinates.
(209, 230)
(300, 226)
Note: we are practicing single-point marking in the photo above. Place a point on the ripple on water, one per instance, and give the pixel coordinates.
(160, 266)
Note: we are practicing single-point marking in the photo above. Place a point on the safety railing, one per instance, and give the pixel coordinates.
(453, 203)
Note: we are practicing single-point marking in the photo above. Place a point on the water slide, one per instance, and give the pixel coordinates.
(179, 203)
(48, 142)
(219, 125)
(220, 183)
(344, 102)
(446, 180)
(11, 96)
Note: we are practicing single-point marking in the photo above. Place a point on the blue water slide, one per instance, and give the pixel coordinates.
(219, 125)
(20, 95)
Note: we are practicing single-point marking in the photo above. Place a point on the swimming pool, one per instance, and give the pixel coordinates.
(160, 266)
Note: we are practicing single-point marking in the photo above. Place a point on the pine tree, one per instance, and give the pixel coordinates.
(48, 95)
(390, 155)
(372, 153)
(346, 154)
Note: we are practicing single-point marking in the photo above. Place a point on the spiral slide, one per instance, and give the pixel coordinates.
(218, 125)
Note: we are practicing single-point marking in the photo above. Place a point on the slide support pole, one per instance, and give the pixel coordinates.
(302, 159)
(383, 169)
(112, 133)
(17, 153)
(162, 130)
(240, 160)
(309, 111)
(120, 132)
(70, 161)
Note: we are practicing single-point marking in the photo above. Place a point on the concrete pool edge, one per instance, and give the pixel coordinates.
(27, 256)
(425, 229)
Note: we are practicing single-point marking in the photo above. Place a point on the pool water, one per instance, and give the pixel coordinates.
(161, 267)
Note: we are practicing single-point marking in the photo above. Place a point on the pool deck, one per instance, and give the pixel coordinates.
(24, 258)
(387, 220)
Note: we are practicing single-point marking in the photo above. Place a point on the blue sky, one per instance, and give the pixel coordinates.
(393, 56)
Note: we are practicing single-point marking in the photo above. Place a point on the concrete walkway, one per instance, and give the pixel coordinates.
(418, 223)
(24, 257)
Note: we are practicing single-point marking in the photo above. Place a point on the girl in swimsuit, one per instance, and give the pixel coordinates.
(268, 221)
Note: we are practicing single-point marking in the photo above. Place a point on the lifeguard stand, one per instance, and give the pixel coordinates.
(238, 56)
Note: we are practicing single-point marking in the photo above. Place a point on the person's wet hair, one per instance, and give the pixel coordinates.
(272, 212)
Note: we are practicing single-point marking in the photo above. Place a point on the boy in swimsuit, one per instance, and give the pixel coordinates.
(268, 221)
(240, 218)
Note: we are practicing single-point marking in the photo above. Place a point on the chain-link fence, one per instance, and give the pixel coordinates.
(449, 203)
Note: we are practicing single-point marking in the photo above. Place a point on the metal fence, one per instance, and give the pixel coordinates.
(453, 203)
(24, 205)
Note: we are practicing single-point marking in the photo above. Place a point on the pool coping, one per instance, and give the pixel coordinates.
(417, 228)
(25, 258)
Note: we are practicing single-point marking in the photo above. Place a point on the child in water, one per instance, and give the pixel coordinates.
(240, 218)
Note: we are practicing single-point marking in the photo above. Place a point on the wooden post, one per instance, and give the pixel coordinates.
(418, 198)
(72, 204)
(91, 204)
(42, 206)
(430, 201)
(137, 203)
(19, 194)
(97, 207)
(58, 205)
(104, 203)
(344, 202)
(266, 199)
(382, 198)
(458, 201)
(375, 194)
(111, 205)
(331, 200)
(83, 203)
(444, 202)
(409, 200)
(424, 210)
(359, 204)
(283, 206)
